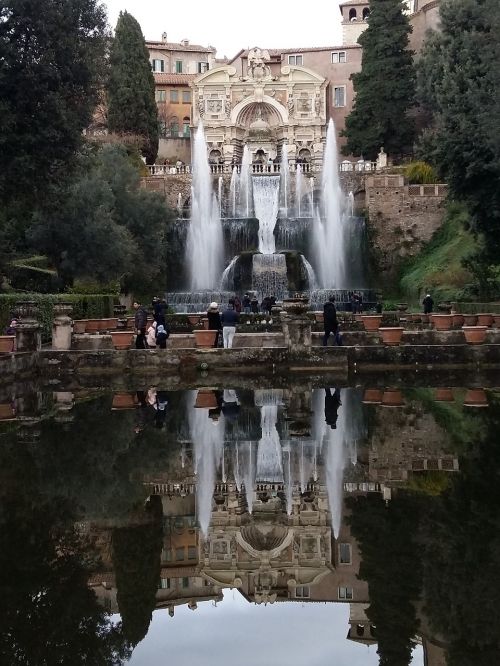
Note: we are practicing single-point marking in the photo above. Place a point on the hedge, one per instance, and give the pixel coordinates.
(85, 306)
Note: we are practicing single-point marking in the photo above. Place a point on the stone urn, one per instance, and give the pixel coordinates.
(119, 311)
(7, 412)
(475, 335)
(206, 399)
(444, 307)
(372, 396)
(444, 395)
(470, 320)
(298, 305)
(7, 343)
(79, 326)
(402, 307)
(442, 322)
(124, 401)
(392, 398)
(194, 319)
(296, 324)
(475, 397)
(484, 319)
(122, 339)
(371, 322)
(391, 336)
(205, 337)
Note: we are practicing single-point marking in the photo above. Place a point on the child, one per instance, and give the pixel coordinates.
(151, 336)
(161, 337)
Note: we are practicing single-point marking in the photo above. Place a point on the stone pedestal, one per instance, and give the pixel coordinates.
(298, 409)
(61, 326)
(296, 325)
(28, 330)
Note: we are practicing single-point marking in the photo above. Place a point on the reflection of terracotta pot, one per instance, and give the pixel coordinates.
(122, 339)
(424, 319)
(7, 412)
(372, 396)
(458, 320)
(442, 322)
(444, 395)
(470, 320)
(475, 335)
(371, 322)
(496, 321)
(392, 398)
(194, 319)
(7, 343)
(391, 336)
(79, 326)
(476, 398)
(92, 326)
(204, 338)
(206, 399)
(484, 319)
(124, 401)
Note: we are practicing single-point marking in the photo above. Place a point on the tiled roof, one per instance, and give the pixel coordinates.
(174, 79)
(174, 46)
(302, 49)
(353, 2)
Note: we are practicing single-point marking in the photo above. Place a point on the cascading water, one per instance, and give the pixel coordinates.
(285, 180)
(330, 221)
(269, 457)
(204, 242)
(245, 185)
(233, 191)
(269, 276)
(266, 203)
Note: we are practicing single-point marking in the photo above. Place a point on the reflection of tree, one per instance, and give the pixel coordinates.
(136, 560)
(48, 614)
(391, 565)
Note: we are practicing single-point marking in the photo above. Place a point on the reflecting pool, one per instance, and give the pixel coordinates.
(298, 524)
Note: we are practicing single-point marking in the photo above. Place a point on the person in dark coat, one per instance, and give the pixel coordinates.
(237, 304)
(159, 310)
(428, 304)
(332, 404)
(161, 336)
(330, 320)
(246, 304)
(140, 322)
(254, 305)
(214, 321)
(229, 320)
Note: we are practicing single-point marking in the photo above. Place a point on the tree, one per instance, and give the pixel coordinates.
(131, 88)
(459, 86)
(385, 86)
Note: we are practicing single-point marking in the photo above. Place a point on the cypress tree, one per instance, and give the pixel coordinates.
(385, 86)
(131, 90)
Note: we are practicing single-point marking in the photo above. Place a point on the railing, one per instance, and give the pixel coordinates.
(361, 166)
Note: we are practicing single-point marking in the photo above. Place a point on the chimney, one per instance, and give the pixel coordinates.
(164, 37)
(185, 42)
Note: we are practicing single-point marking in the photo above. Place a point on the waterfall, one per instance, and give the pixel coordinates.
(220, 196)
(204, 248)
(330, 221)
(299, 184)
(284, 178)
(269, 462)
(179, 203)
(245, 203)
(269, 275)
(233, 191)
(208, 443)
(350, 198)
(228, 275)
(266, 202)
(311, 277)
(244, 470)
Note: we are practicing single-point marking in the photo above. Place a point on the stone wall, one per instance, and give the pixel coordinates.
(402, 218)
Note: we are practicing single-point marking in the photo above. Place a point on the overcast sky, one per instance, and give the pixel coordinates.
(231, 25)
(238, 633)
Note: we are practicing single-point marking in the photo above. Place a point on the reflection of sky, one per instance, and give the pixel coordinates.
(239, 633)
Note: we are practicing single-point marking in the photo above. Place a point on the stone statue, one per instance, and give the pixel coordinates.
(291, 106)
(227, 107)
(257, 67)
(201, 108)
(317, 105)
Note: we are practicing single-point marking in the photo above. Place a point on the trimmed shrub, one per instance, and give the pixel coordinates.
(420, 173)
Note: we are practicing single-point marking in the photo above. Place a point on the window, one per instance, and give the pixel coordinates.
(302, 592)
(366, 13)
(345, 593)
(174, 128)
(345, 553)
(295, 60)
(158, 65)
(339, 57)
(192, 552)
(353, 15)
(178, 66)
(186, 130)
(164, 584)
(161, 95)
(339, 96)
(179, 554)
(202, 67)
(185, 582)
(166, 555)
(186, 97)
(174, 96)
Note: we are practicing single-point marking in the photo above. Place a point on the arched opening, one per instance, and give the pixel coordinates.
(353, 15)
(366, 13)
(186, 131)
(215, 156)
(360, 629)
(260, 156)
(304, 156)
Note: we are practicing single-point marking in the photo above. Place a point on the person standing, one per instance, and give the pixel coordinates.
(254, 305)
(332, 404)
(151, 335)
(246, 304)
(159, 310)
(229, 320)
(140, 322)
(214, 321)
(237, 304)
(330, 320)
(161, 336)
(428, 304)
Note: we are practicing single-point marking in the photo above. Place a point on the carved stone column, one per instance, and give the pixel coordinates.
(28, 330)
(61, 326)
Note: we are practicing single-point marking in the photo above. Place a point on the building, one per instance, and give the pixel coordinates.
(424, 17)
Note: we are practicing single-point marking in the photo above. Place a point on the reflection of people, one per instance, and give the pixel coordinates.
(215, 412)
(160, 407)
(332, 404)
(230, 406)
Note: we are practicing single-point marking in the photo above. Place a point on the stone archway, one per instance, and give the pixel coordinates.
(268, 104)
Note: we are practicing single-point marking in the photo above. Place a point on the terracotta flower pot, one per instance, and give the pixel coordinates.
(474, 335)
(476, 398)
(108, 324)
(204, 338)
(496, 321)
(122, 339)
(92, 326)
(7, 343)
(124, 401)
(79, 326)
(484, 319)
(470, 320)
(131, 322)
(7, 412)
(391, 336)
(371, 322)
(392, 398)
(424, 319)
(444, 395)
(205, 399)
(458, 320)
(194, 319)
(372, 396)
(442, 322)
(204, 322)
